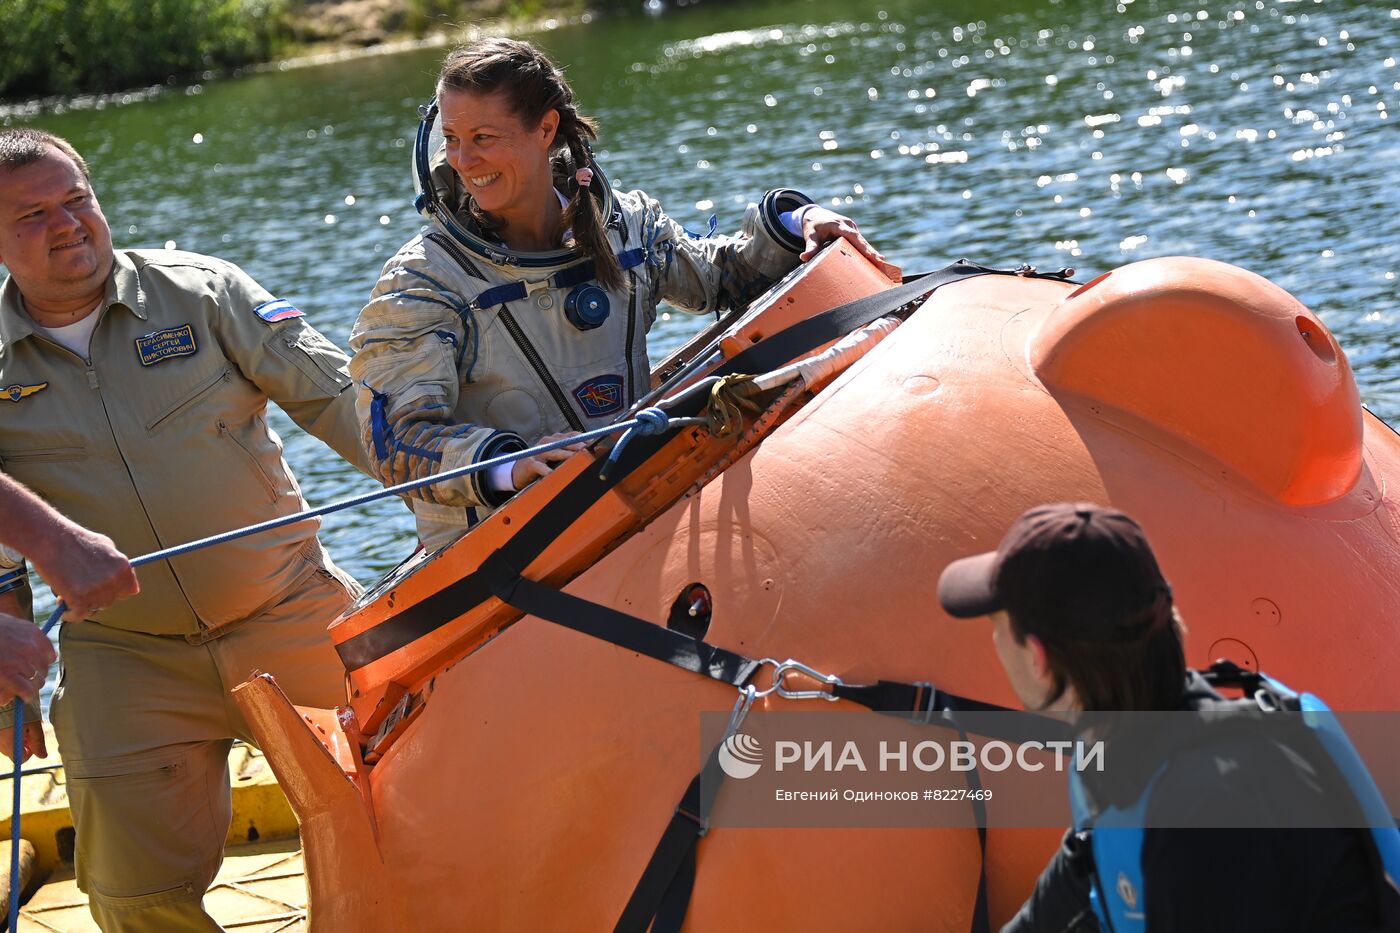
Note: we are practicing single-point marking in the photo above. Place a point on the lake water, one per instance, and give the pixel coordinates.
(1060, 134)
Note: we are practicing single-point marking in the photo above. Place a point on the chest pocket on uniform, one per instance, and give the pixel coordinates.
(42, 455)
(202, 390)
(40, 468)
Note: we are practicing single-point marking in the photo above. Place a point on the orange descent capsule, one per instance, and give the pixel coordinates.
(501, 773)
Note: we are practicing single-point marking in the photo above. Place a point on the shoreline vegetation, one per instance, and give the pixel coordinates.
(59, 49)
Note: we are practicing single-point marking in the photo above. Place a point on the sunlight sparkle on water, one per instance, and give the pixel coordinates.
(919, 112)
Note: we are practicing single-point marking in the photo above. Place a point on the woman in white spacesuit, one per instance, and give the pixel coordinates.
(521, 312)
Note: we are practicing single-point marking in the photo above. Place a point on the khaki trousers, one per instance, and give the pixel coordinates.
(144, 726)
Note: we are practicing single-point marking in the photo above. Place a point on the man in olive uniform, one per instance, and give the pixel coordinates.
(133, 386)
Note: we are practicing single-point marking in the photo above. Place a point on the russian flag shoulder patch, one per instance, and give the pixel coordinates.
(277, 310)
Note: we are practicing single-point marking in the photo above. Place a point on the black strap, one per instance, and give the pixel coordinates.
(663, 892)
(452, 601)
(619, 628)
(981, 916)
(894, 697)
(927, 704)
(919, 701)
(661, 897)
(805, 336)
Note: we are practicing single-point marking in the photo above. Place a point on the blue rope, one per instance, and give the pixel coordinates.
(647, 421)
(621, 426)
(16, 754)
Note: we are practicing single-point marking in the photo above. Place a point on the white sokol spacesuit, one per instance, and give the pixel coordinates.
(467, 349)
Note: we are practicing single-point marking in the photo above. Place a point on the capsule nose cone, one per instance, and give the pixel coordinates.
(1229, 369)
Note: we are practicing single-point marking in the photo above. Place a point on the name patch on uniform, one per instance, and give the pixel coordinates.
(165, 344)
(16, 392)
(601, 395)
(278, 310)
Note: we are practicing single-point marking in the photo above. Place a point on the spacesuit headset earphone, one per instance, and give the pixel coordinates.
(586, 306)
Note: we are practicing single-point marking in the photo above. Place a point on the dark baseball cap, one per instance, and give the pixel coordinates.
(1071, 568)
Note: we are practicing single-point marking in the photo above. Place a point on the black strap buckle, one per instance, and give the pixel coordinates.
(925, 701)
(1026, 270)
(1226, 673)
(702, 825)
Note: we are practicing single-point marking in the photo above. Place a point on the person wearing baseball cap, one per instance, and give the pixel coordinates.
(1083, 621)
(1082, 616)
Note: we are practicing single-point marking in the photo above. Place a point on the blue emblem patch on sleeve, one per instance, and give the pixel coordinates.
(165, 344)
(601, 395)
(278, 310)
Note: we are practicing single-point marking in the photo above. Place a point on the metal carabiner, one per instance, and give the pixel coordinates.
(747, 694)
(773, 685)
(780, 682)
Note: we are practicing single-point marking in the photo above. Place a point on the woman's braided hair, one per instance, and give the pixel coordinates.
(533, 85)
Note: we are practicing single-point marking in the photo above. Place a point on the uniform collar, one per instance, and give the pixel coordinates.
(14, 323)
(123, 288)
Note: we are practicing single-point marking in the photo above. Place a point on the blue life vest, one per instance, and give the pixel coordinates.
(1117, 833)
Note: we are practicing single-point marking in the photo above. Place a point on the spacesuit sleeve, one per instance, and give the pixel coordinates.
(719, 273)
(408, 344)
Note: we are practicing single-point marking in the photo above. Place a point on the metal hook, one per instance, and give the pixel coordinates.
(747, 694)
(773, 685)
(780, 681)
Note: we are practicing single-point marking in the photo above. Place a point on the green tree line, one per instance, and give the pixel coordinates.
(76, 46)
(68, 47)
